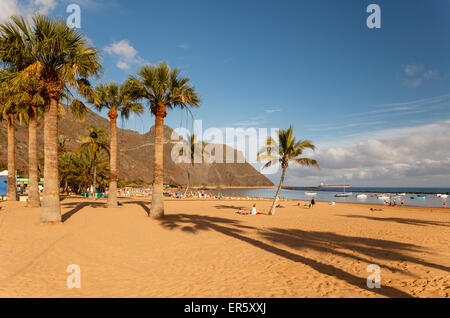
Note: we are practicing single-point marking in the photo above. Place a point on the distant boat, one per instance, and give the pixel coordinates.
(383, 197)
(402, 194)
(311, 194)
(334, 185)
(362, 196)
(343, 195)
(419, 197)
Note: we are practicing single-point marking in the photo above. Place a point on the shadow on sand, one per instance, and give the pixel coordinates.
(318, 241)
(229, 207)
(77, 207)
(295, 239)
(399, 220)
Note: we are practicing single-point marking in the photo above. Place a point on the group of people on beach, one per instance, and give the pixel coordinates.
(309, 205)
(394, 203)
(198, 194)
(254, 211)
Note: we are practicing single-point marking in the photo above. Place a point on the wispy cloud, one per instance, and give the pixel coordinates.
(184, 46)
(259, 119)
(416, 74)
(408, 107)
(127, 55)
(273, 110)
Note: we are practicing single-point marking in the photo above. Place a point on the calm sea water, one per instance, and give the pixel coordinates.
(410, 198)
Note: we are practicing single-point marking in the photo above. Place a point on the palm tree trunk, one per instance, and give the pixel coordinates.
(95, 177)
(33, 186)
(189, 181)
(157, 209)
(11, 181)
(112, 196)
(277, 196)
(51, 208)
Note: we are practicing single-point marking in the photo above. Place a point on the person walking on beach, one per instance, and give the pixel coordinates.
(445, 205)
(254, 212)
(313, 202)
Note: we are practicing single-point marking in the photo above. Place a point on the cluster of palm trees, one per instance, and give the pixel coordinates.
(88, 166)
(44, 62)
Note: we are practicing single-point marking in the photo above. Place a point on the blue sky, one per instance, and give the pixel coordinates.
(312, 64)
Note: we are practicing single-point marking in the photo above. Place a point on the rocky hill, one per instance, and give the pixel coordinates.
(136, 155)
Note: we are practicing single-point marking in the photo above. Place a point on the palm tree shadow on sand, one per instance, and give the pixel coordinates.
(399, 220)
(318, 241)
(77, 207)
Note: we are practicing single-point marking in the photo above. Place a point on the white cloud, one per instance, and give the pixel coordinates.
(27, 8)
(417, 73)
(412, 156)
(412, 69)
(126, 54)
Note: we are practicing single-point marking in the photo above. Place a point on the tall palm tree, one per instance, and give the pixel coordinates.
(10, 108)
(95, 141)
(163, 88)
(61, 59)
(18, 55)
(194, 149)
(283, 151)
(117, 100)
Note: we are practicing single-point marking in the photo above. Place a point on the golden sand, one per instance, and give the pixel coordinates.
(202, 249)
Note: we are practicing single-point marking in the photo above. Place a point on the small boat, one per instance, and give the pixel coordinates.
(419, 197)
(383, 197)
(362, 196)
(311, 194)
(402, 194)
(343, 195)
(444, 196)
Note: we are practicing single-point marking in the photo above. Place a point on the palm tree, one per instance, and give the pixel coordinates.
(61, 60)
(283, 151)
(117, 100)
(10, 107)
(18, 55)
(75, 170)
(95, 141)
(194, 149)
(163, 88)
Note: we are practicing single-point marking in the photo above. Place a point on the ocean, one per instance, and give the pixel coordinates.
(328, 195)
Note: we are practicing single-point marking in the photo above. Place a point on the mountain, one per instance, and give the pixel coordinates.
(136, 155)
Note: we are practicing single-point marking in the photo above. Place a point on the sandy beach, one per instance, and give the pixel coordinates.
(202, 249)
